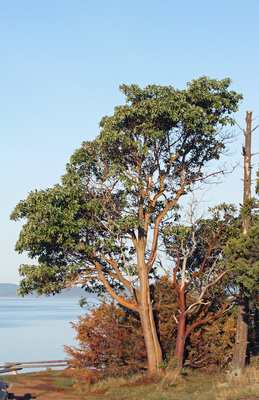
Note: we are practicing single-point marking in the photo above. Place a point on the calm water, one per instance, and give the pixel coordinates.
(35, 329)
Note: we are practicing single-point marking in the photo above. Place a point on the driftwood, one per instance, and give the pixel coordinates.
(17, 366)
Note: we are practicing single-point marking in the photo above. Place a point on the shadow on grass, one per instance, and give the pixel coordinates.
(26, 396)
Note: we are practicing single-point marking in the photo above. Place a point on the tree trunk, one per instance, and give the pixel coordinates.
(240, 350)
(247, 168)
(153, 348)
(180, 341)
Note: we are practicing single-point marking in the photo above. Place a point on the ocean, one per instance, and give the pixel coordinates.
(35, 329)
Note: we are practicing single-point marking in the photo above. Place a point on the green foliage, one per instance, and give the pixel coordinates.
(248, 207)
(242, 254)
(117, 187)
(55, 221)
(257, 183)
(242, 250)
(172, 364)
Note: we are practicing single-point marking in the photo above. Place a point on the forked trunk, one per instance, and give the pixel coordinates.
(153, 348)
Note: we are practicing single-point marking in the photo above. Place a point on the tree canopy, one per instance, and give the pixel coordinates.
(100, 227)
(147, 155)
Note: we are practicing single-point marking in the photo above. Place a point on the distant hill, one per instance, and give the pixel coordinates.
(10, 290)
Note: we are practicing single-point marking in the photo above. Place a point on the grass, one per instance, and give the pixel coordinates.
(63, 383)
(190, 385)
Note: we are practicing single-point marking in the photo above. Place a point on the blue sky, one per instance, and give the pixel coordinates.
(63, 61)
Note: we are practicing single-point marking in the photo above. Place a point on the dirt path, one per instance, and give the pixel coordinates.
(40, 386)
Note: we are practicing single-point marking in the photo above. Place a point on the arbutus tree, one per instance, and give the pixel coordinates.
(100, 228)
(205, 287)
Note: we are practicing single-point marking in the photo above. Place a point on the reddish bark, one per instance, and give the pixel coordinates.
(180, 341)
(184, 278)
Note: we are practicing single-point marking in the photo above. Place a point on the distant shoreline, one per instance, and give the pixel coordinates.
(9, 290)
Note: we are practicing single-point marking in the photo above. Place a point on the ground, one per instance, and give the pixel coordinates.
(38, 385)
(60, 385)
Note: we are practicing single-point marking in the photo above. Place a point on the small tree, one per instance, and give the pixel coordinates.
(101, 227)
(200, 275)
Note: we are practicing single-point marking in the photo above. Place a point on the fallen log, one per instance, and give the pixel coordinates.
(36, 362)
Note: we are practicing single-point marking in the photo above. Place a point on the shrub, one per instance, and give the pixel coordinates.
(110, 343)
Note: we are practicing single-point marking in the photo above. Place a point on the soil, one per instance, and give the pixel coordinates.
(37, 386)
(141, 382)
(42, 386)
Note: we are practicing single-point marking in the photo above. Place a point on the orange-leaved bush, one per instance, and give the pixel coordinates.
(111, 343)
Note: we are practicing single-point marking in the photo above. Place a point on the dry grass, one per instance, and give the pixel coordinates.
(116, 382)
(188, 385)
(185, 386)
(245, 385)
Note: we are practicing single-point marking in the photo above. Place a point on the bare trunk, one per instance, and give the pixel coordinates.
(247, 168)
(240, 350)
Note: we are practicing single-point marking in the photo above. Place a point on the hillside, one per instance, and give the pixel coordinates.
(10, 290)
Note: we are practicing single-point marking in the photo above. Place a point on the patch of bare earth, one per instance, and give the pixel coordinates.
(141, 382)
(42, 387)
